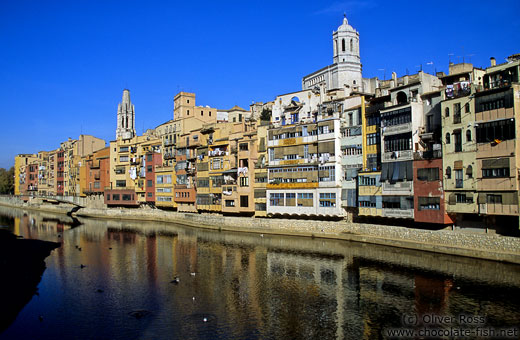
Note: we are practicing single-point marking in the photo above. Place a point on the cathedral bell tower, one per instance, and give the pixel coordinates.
(125, 117)
(346, 54)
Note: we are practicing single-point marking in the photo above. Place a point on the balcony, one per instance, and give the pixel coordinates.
(397, 129)
(405, 155)
(398, 213)
(457, 91)
(427, 155)
(399, 188)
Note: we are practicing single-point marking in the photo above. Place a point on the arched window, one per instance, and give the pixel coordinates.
(447, 112)
(448, 138)
(448, 172)
(343, 45)
(469, 171)
(402, 98)
(351, 46)
(468, 135)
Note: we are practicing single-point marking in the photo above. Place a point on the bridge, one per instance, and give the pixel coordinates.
(78, 202)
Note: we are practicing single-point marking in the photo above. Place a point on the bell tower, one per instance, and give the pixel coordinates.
(125, 117)
(346, 55)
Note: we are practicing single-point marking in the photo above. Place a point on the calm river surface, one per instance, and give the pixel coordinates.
(243, 286)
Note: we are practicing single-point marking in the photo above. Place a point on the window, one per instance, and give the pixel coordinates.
(429, 203)
(149, 158)
(243, 147)
(494, 199)
(468, 135)
(367, 181)
(149, 168)
(149, 194)
(127, 197)
(448, 138)
(496, 172)
(466, 108)
(244, 201)
(327, 173)
(462, 198)
(373, 120)
(457, 139)
(447, 112)
(216, 163)
(244, 181)
(397, 117)
(123, 149)
(116, 197)
(120, 183)
(230, 203)
(459, 183)
(163, 199)
(398, 142)
(123, 158)
(428, 174)
(290, 199)
(161, 190)
(367, 204)
(469, 171)
(203, 182)
(327, 199)
(149, 183)
(448, 172)
(108, 197)
(97, 185)
(496, 131)
(276, 199)
(373, 138)
(495, 168)
(343, 45)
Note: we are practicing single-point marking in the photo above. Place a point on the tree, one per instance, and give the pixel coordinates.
(265, 115)
(6, 181)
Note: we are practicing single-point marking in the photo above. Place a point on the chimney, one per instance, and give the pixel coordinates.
(493, 61)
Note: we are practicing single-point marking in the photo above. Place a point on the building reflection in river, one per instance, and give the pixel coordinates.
(248, 286)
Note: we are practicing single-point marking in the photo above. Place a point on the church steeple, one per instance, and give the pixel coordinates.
(125, 117)
(346, 43)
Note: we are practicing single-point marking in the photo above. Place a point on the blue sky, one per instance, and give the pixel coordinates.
(64, 64)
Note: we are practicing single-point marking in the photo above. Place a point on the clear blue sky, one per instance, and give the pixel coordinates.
(64, 64)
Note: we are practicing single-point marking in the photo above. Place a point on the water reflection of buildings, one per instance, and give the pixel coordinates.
(278, 287)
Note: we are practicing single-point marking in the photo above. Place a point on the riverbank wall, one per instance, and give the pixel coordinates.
(453, 242)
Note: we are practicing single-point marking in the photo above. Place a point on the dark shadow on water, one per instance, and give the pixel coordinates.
(21, 268)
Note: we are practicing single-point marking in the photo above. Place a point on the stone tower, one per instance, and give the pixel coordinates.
(125, 117)
(346, 55)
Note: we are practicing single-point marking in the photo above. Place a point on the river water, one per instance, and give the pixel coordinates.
(113, 280)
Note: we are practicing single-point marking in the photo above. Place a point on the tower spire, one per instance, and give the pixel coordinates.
(125, 117)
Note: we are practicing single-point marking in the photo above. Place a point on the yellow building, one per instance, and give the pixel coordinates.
(21, 161)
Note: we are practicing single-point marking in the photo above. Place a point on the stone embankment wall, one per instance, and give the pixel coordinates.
(36, 204)
(484, 246)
